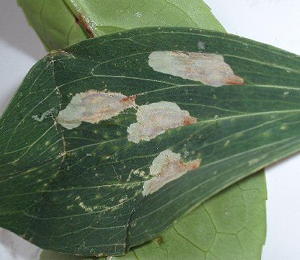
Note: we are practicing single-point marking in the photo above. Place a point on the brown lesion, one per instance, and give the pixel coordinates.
(235, 80)
(193, 165)
(189, 120)
(160, 240)
(130, 99)
(80, 19)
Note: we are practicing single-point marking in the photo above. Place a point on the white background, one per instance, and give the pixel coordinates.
(275, 22)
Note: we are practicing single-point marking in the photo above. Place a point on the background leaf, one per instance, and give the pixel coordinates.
(56, 23)
(230, 225)
(264, 128)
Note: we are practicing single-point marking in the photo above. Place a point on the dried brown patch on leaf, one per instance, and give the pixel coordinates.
(155, 119)
(167, 167)
(209, 69)
(92, 107)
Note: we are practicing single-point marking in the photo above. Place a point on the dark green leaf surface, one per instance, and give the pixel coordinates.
(69, 183)
(231, 225)
(56, 23)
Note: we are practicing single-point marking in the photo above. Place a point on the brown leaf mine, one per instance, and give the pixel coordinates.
(92, 107)
(209, 69)
(166, 167)
(155, 119)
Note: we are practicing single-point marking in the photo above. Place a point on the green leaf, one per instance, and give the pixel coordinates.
(62, 23)
(53, 22)
(57, 19)
(50, 255)
(230, 225)
(81, 190)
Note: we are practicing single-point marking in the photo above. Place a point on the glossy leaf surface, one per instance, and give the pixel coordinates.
(58, 27)
(68, 194)
(230, 225)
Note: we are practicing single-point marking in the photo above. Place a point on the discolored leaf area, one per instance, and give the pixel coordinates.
(80, 190)
(228, 226)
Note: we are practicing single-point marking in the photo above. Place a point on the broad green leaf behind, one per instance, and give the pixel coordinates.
(61, 23)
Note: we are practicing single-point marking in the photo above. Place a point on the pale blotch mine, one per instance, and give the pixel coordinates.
(253, 161)
(167, 167)
(45, 115)
(92, 107)
(155, 119)
(201, 46)
(209, 69)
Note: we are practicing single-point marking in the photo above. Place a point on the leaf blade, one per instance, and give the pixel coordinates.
(213, 128)
(200, 234)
